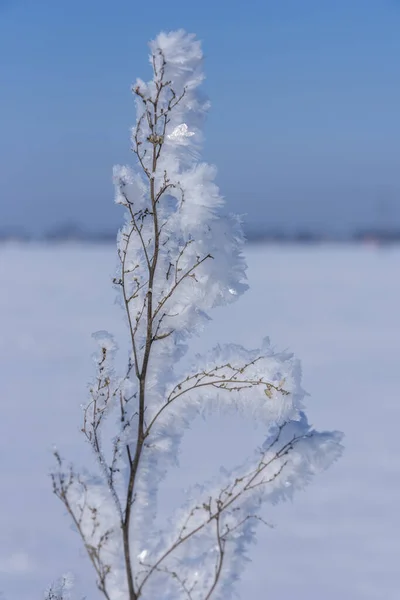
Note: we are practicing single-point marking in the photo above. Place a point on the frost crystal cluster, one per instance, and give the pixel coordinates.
(178, 259)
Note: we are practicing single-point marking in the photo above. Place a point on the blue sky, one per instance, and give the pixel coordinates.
(305, 119)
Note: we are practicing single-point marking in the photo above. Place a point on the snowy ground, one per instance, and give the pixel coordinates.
(336, 308)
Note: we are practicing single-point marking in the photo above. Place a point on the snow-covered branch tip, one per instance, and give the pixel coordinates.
(61, 589)
(177, 259)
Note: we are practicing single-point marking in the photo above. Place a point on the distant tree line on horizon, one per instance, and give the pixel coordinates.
(76, 233)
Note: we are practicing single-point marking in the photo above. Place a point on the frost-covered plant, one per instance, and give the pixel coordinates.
(178, 258)
(60, 590)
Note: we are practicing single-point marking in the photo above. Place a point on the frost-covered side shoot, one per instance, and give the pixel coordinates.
(60, 590)
(178, 258)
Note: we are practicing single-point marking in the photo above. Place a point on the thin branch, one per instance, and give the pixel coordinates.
(221, 542)
(221, 506)
(187, 274)
(219, 381)
(61, 486)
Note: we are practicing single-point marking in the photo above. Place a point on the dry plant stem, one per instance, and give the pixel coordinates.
(153, 117)
(221, 541)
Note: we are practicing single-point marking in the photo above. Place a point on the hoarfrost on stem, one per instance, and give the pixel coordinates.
(178, 259)
(60, 590)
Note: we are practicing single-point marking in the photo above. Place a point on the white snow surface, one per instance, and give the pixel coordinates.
(337, 308)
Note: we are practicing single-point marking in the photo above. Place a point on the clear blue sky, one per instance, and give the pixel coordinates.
(305, 119)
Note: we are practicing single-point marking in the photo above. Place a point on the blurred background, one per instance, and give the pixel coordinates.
(304, 126)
